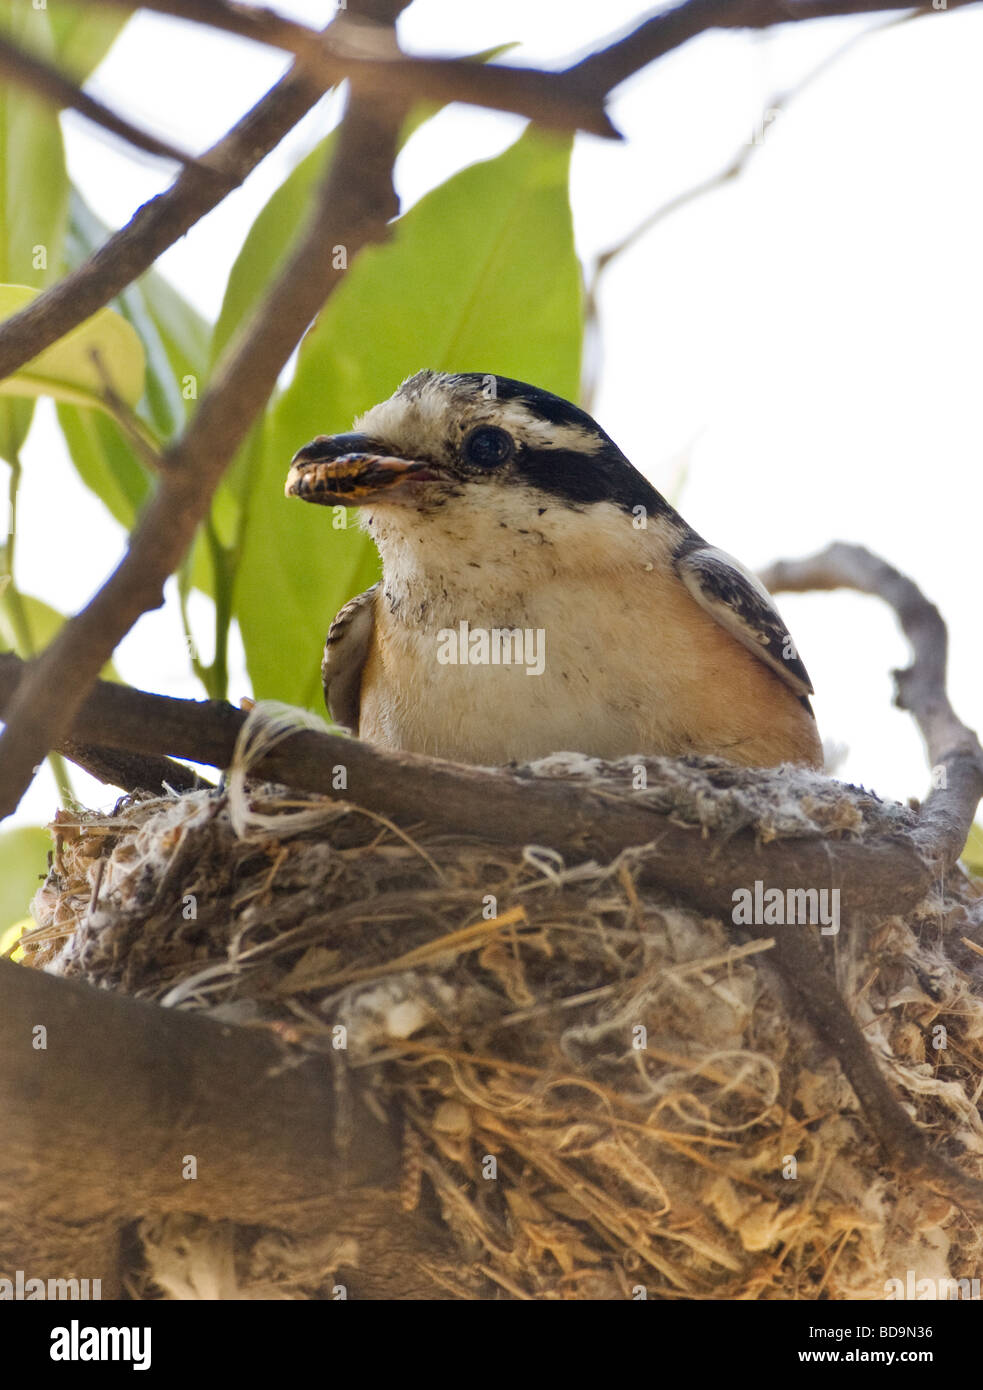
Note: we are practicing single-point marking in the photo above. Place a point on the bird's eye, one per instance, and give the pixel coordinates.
(488, 446)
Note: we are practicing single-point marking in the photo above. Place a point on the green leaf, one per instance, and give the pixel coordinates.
(271, 236)
(174, 335)
(41, 621)
(175, 338)
(23, 864)
(972, 855)
(105, 461)
(33, 189)
(66, 370)
(15, 422)
(481, 275)
(283, 219)
(33, 181)
(83, 35)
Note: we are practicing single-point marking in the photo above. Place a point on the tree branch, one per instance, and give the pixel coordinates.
(376, 66)
(671, 28)
(132, 772)
(953, 748)
(270, 1143)
(572, 98)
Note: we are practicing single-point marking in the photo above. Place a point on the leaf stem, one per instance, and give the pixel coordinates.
(223, 561)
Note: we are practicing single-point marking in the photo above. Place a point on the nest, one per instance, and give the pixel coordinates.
(603, 1094)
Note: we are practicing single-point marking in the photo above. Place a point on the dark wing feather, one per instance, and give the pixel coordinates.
(345, 652)
(741, 604)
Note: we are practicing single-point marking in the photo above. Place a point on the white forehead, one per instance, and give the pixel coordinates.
(434, 410)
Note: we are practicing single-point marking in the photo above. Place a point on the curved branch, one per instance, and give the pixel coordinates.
(953, 749)
(671, 28)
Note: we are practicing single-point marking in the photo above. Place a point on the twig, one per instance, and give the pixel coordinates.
(779, 101)
(354, 206)
(53, 86)
(375, 65)
(158, 224)
(132, 772)
(572, 98)
(141, 438)
(953, 749)
(666, 30)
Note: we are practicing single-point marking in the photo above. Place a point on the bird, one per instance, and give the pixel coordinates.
(539, 595)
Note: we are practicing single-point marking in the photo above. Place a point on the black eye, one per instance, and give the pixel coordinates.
(488, 446)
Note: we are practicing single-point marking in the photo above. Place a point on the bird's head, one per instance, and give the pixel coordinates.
(471, 452)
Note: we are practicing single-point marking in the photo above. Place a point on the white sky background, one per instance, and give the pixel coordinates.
(806, 339)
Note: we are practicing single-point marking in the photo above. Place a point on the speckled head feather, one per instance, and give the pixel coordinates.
(559, 448)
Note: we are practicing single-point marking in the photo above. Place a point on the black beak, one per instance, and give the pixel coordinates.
(349, 470)
(335, 446)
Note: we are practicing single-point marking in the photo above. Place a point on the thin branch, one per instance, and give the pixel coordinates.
(592, 77)
(732, 170)
(953, 749)
(373, 63)
(132, 772)
(666, 30)
(777, 102)
(158, 224)
(54, 87)
(354, 206)
(142, 439)
(572, 98)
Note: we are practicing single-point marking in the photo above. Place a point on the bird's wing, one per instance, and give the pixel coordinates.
(742, 605)
(345, 652)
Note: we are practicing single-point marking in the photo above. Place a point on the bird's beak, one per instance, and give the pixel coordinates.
(350, 470)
